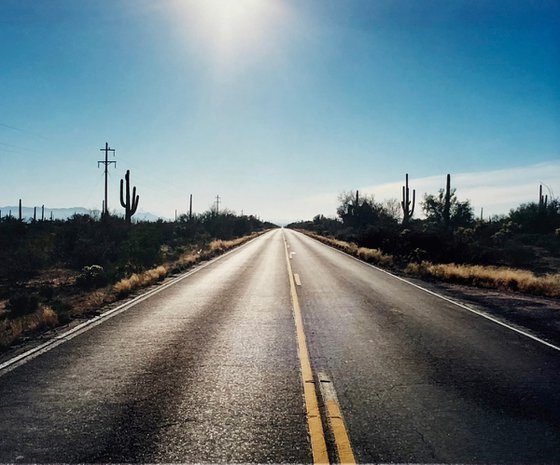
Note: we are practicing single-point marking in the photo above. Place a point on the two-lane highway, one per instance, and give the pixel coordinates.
(213, 369)
(418, 378)
(205, 371)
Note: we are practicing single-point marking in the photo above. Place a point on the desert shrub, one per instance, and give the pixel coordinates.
(46, 291)
(532, 217)
(22, 304)
(143, 247)
(92, 276)
(63, 311)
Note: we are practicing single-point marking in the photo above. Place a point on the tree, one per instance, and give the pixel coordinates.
(360, 211)
(435, 208)
(393, 208)
(537, 218)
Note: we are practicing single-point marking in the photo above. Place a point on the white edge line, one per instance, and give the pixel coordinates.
(29, 355)
(447, 299)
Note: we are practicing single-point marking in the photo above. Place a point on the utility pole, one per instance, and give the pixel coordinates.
(106, 162)
(217, 204)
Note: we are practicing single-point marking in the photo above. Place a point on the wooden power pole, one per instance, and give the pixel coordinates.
(106, 162)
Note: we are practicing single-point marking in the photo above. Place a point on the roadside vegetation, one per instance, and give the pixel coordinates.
(55, 271)
(519, 251)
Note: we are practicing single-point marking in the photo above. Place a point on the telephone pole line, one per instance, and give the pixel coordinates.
(106, 162)
(217, 204)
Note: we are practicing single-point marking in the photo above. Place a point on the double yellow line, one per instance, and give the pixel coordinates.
(314, 421)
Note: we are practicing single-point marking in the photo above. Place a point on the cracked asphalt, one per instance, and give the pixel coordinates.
(208, 371)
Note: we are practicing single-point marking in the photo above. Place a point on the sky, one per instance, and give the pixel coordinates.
(278, 106)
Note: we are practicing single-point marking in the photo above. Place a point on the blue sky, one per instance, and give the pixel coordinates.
(278, 105)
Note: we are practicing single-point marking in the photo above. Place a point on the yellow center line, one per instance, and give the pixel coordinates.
(316, 433)
(336, 421)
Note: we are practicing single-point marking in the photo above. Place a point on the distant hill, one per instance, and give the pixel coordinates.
(147, 216)
(64, 213)
(57, 213)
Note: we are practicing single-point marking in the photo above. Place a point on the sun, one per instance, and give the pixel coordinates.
(229, 28)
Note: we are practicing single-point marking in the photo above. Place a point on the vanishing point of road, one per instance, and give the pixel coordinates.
(286, 351)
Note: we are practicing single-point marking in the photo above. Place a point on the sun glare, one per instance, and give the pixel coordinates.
(230, 28)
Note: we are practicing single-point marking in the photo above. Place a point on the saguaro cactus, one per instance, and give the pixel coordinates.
(20, 212)
(353, 208)
(190, 208)
(447, 203)
(543, 200)
(130, 205)
(407, 204)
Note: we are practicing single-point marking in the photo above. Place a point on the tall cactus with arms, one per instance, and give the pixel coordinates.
(407, 204)
(130, 205)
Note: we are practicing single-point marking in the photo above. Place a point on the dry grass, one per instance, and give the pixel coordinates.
(490, 277)
(375, 256)
(137, 280)
(473, 275)
(97, 299)
(189, 259)
(220, 246)
(13, 329)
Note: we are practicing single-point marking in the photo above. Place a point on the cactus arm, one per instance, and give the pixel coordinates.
(123, 203)
(127, 177)
(135, 199)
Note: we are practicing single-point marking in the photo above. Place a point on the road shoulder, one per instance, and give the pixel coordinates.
(539, 316)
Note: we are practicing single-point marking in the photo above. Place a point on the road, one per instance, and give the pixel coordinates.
(213, 369)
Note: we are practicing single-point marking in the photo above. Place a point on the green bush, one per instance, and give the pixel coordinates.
(92, 276)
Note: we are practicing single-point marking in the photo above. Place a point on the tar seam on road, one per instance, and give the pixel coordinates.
(314, 422)
(447, 299)
(29, 355)
(336, 420)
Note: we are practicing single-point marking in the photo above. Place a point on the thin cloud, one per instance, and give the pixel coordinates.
(9, 127)
(496, 191)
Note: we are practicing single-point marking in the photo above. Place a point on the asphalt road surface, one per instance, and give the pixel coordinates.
(210, 370)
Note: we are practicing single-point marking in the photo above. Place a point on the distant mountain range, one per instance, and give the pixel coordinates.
(64, 213)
